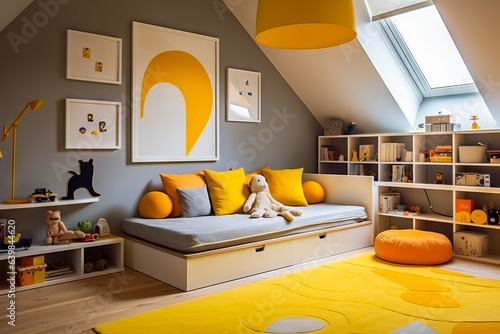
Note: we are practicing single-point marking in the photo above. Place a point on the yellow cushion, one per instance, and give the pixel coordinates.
(313, 191)
(250, 175)
(286, 185)
(255, 172)
(155, 205)
(413, 247)
(228, 190)
(171, 182)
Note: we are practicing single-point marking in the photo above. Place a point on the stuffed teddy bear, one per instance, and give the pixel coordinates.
(56, 231)
(261, 204)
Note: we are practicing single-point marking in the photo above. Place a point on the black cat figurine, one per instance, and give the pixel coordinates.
(82, 180)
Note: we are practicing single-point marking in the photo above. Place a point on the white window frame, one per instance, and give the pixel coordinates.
(411, 68)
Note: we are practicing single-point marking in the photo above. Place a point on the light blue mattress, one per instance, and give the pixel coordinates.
(190, 235)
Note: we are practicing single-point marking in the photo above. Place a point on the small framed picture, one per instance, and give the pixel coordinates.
(93, 57)
(243, 96)
(93, 124)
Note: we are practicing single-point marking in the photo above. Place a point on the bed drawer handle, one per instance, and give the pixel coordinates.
(260, 249)
(322, 236)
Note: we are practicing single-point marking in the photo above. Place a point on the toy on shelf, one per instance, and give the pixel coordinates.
(85, 226)
(42, 195)
(83, 180)
(474, 125)
(56, 230)
(439, 178)
(88, 237)
(12, 239)
(350, 128)
(95, 260)
(102, 227)
(354, 155)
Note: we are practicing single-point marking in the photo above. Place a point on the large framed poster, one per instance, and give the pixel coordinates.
(175, 90)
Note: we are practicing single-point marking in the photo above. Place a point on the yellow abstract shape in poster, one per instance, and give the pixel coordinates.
(185, 72)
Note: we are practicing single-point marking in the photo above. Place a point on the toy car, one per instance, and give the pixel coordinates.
(42, 194)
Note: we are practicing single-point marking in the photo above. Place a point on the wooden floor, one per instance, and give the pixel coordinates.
(76, 307)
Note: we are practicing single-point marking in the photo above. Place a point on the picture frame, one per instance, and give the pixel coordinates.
(243, 96)
(93, 124)
(175, 95)
(92, 57)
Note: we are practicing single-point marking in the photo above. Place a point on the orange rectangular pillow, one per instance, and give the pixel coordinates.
(171, 182)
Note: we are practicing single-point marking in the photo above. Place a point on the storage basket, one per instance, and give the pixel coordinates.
(471, 153)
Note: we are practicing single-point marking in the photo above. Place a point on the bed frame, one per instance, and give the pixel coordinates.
(193, 271)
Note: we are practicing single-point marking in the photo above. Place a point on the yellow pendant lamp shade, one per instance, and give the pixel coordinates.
(305, 24)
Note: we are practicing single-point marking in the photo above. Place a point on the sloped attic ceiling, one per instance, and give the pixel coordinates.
(10, 10)
(338, 82)
(475, 27)
(341, 82)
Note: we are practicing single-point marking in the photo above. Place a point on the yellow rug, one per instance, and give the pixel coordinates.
(362, 294)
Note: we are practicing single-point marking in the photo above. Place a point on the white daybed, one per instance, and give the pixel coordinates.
(188, 271)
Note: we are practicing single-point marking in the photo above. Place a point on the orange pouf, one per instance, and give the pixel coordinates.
(413, 247)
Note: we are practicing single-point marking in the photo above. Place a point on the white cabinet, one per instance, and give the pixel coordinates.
(437, 201)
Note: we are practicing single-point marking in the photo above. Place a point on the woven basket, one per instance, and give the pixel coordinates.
(471, 153)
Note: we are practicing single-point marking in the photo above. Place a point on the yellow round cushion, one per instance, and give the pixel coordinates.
(314, 192)
(413, 247)
(155, 205)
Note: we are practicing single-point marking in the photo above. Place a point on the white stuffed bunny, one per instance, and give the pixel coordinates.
(261, 204)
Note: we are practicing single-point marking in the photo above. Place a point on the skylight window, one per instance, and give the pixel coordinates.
(427, 51)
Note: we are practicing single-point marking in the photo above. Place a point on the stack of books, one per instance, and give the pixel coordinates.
(328, 153)
(441, 123)
(399, 172)
(54, 271)
(391, 152)
(442, 153)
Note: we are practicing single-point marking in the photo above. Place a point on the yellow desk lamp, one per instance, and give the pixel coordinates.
(33, 105)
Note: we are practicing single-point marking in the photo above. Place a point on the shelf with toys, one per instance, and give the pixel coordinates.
(66, 261)
(88, 252)
(431, 170)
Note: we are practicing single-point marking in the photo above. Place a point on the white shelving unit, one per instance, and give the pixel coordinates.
(439, 215)
(70, 253)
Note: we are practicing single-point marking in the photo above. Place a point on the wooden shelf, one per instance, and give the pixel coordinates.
(45, 204)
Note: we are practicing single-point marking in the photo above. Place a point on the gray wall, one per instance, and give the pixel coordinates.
(33, 64)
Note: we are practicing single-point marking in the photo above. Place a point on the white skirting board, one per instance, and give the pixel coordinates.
(193, 271)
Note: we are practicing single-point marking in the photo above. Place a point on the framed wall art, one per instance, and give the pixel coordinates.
(93, 57)
(93, 124)
(243, 96)
(175, 89)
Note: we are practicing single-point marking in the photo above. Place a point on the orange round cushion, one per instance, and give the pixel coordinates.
(314, 192)
(413, 247)
(155, 205)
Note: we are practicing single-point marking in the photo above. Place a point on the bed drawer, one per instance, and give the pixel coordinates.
(229, 265)
(343, 239)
